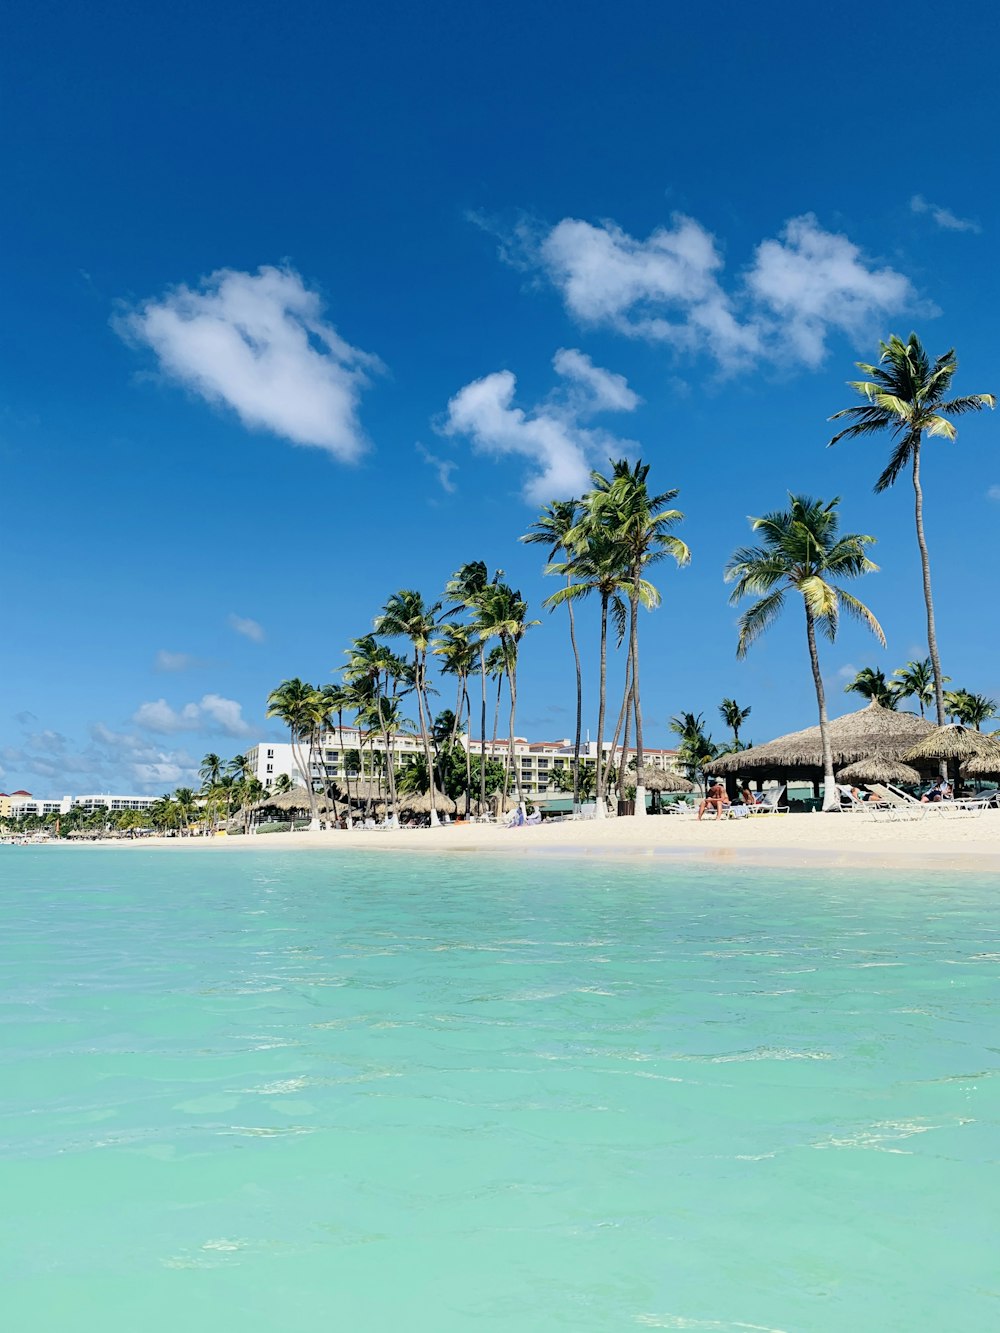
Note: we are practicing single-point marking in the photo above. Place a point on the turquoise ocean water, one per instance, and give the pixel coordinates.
(373, 1092)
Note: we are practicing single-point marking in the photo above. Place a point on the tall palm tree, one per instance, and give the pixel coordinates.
(801, 551)
(697, 749)
(210, 770)
(406, 615)
(595, 567)
(464, 591)
(459, 653)
(905, 395)
(871, 683)
(185, 807)
(239, 767)
(639, 523)
(552, 528)
(916, 681)
(502, 613)
(299, 706)
(734, 716)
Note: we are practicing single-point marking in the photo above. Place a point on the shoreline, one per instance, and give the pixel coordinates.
(956, 842)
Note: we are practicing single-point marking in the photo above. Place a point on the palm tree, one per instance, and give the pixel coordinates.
(185, 806)
(459, 653)
(916, 680)
(801, 551)
(971, 710)
(239, 767)
(595, 567)
(300, 706)
(734, 716)
(502, 613)
(639, 523)
(697, 749)
(905, 395)
(464, 591)
(405, 615)
(552, 528)
(282, 783)
(871, 683)
(210, 770)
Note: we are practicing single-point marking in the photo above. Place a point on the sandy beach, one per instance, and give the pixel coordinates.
(958, 841)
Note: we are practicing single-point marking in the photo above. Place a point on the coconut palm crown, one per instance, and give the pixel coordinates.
(802, 551)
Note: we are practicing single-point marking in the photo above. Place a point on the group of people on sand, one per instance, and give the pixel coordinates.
(717, 798)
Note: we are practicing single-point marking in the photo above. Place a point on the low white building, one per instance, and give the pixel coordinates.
(22, 805)
(107, 801)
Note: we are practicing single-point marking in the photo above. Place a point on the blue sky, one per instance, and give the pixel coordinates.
(476, 251)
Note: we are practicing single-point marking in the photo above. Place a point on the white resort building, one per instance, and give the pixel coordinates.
(352, 751)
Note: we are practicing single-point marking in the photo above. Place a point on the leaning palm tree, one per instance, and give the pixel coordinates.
(552, 528)
(406, 615)
(871, 684)
(801, 551)
(734, 716)
(916, 681)
(905, 395)
(639, 523)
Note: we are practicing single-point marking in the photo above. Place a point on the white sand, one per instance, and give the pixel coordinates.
(958, 841)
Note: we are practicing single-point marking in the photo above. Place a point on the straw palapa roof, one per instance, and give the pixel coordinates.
(295, 799)
(872, 730)
(420, 802)
(656, 779)
(984, 765)
(952, 742)
(879, 768)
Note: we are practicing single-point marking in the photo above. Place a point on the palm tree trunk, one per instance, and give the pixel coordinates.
(601, 808)
(512, 683)
(925, 565)
(627, 715)
(640, 790)
(830, 799)
(468, 752)
(579, 707)
(482, 732)
(622, 713)
(418, 675)
(347, 779)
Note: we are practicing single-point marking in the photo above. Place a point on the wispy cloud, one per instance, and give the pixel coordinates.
(944, 217)
(258, 343)
(53, 765)
(444, 467)
(212, 713)
(250, 629)
(167, 662)
(669, 287)
(552, 440)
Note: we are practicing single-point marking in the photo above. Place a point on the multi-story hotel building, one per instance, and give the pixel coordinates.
(536, 761)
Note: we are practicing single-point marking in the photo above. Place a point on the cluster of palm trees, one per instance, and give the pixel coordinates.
(604, 545)
(477, 627)
(697, 749)
(227, 787)
(915, 681)
(801, 548)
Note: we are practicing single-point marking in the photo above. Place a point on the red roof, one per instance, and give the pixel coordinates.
(20, 793)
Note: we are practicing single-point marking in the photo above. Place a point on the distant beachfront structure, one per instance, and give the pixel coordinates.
(22, 803)
(539, 760)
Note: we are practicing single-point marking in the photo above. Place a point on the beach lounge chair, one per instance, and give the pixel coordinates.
(770, 805)
(949, 806)
(897, 802)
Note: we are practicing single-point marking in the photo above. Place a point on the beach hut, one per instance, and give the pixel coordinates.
(986, 764)
(419, 803)
(657, 781)
(870, 732)
(958, 745)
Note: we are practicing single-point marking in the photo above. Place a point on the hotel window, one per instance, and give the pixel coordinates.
(270, 754)
(270, 768)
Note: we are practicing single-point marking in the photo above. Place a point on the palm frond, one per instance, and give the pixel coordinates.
(899, 458)
(858, 611)
(757, 618)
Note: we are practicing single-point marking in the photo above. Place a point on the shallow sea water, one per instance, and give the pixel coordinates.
(307, 1091)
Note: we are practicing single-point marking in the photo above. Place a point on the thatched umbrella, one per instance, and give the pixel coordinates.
(879, 768)
(297, 798)
(656, 779)
(953, 742)
(872, 730)
(420, 802)
(984, 765)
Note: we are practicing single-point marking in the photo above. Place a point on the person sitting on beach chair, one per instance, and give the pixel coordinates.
(715, 796)
(941, 791)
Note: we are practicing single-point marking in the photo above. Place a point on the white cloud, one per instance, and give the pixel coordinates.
(669, 287)
(444, 467)
(993, 493)
(212, 713)
(167, 662)
(559, 449)
(814, 280)
(108, 761)
(250, 629)
(258, 343)
(944, 217)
